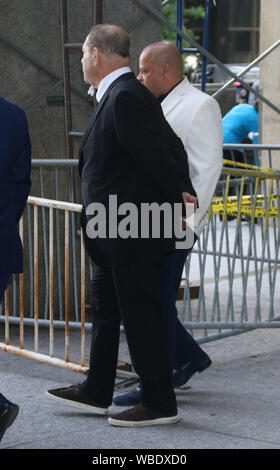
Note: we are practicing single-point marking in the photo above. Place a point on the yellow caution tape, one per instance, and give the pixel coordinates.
(247, 165)
(256, 206)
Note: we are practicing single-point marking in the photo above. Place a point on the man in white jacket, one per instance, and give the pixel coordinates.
(196, 119)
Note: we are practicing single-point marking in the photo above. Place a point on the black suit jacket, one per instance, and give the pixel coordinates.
(129, 150)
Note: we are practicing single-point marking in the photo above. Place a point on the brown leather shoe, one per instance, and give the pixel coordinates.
(141, 416)
(75, 397)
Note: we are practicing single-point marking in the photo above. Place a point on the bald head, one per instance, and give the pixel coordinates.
(161, 67)
(165, 53)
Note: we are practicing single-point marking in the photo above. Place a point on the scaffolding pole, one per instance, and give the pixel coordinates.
(245, 70)
(205, 42)
(179, 16)
(67, 48)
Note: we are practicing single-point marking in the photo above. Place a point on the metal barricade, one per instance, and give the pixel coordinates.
(236, 260)
(17, 296)
(50, 180)
(264, 156)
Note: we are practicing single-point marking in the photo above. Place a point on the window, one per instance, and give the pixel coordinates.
(234, 30)
(243, 30)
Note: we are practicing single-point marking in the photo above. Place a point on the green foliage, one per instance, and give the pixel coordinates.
(193, 18)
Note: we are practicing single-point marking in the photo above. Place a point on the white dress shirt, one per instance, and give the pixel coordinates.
(106, 81)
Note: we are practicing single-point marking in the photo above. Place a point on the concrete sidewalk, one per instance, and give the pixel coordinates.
(232, 405)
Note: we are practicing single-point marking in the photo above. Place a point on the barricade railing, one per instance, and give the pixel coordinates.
(31, 311)
(264, 156)
(50, 174)
(234, 262)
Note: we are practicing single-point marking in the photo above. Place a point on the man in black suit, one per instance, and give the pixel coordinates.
(125, 152)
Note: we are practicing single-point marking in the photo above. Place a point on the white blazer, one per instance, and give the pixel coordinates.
(196, 119)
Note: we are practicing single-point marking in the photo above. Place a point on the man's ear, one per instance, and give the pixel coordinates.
(165, 70)
(95, 55)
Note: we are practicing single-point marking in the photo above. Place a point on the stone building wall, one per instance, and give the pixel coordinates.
(270, 75)
(32, 27)
(30, 65)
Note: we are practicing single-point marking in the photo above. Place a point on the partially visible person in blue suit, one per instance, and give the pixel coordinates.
(15, 183)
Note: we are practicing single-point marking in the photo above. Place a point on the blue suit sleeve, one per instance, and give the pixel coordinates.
(21, 168)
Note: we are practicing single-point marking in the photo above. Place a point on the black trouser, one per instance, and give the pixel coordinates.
(129, 293)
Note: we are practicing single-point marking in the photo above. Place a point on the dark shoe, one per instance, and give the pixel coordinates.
(131, 398)
(74, 396)
(141, 416)
(8, 414)
(182, 376)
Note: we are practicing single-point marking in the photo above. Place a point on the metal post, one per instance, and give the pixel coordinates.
(179, 24)
(97, 11)
(205, 42)
(252, 64)
(66, 48)
(51, 282)
(67, 94)
(66, 284)
(36, 279)
(21, 293)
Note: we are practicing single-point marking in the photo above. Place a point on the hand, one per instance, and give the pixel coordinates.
(183, 224)
(189, 199)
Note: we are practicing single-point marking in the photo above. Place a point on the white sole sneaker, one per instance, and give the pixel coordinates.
(152, 422)
(74, 404)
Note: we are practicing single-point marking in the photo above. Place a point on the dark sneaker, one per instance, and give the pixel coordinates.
(141, 416)
(128, 399)
(75, 397)
(182, 376)
(8, 414)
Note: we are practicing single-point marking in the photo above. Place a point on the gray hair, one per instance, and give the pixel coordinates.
(110, 39)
